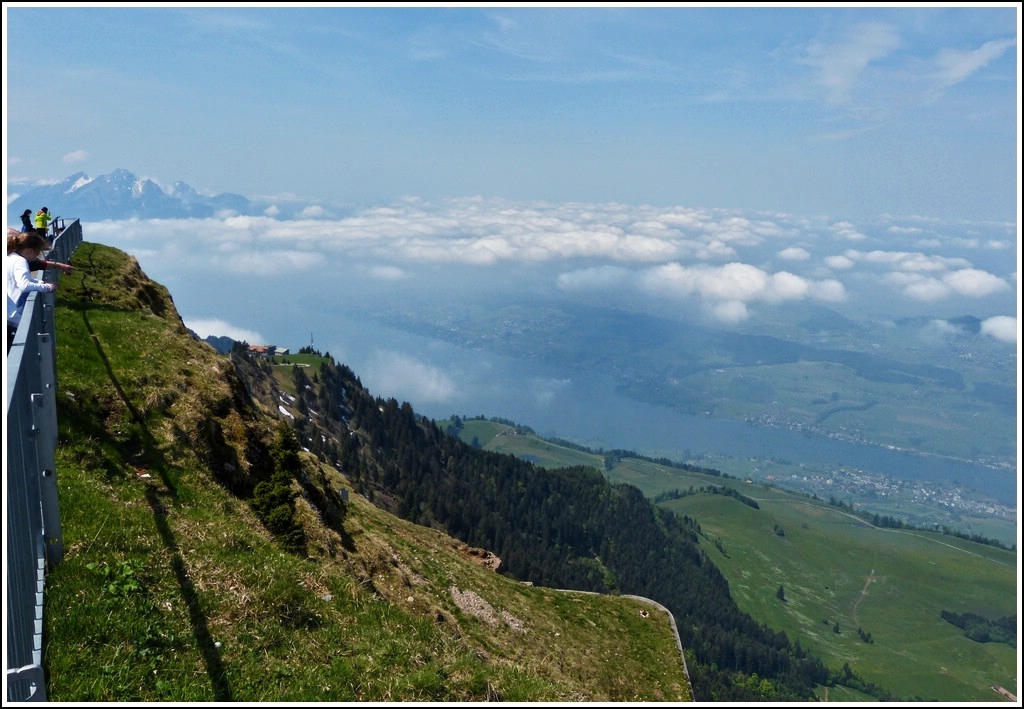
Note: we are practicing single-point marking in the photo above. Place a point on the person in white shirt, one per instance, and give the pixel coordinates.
(21, 249)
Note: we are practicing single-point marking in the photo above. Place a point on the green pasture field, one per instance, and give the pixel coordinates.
(836, 568)
(283, 368)
(502, 438)
(308, 360)
(841, 576)
(480, 429)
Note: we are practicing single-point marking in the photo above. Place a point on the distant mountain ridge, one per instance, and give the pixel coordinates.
(123, 195)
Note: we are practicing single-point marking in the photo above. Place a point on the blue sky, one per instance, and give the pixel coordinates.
(847, 111)
(712, 163)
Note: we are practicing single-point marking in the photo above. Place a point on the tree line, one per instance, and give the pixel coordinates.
(984, 630)
(890, 522)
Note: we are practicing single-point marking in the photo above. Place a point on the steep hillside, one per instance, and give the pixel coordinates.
(210, 557)
(225, 517)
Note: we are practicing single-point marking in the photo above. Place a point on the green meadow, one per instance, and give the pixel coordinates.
(863, 595)
(503, 438)
(851, 592)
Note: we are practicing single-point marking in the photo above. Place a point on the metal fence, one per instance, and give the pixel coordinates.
(34, 539)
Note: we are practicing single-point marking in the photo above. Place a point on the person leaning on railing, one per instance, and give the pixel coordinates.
(23, 249)
(38, 264)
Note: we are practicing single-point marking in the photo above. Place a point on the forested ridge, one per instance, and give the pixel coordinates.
(569, 528)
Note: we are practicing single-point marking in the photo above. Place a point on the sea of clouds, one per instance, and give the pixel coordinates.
(726, 263)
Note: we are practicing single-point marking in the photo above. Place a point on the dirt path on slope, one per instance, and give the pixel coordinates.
(863, 592)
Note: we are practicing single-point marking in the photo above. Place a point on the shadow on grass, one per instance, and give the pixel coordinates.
(154, 459)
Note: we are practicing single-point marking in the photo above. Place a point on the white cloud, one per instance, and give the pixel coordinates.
(842, 63)
(956, 65)
(926, 289)
(387, 273)
(1001, 327)
(313, 212)
(740, 230)
(908, 260)
(794, 253)
(925, 263)
(786, 286)
(406, 378)
(718, 258)
(925, 278)
(848, 231)
(997, 245)
(76, 156)
(975, 283)
(828, 291)
(463, 231)
(271, 263)
(205, 327)
(877, 256)
(544, 391)
(733, 281)
(839, 263)
(597, 278)
(730, 311)
(712, 250)
(726, 288)
(943, 327)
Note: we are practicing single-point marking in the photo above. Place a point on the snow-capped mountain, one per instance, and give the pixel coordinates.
(120, 195)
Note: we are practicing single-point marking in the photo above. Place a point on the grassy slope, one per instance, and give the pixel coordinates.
(892, 584)
(836, 569)
(171, 590)
(502, 438)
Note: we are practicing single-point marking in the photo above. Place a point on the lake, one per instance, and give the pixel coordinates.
(584, 407)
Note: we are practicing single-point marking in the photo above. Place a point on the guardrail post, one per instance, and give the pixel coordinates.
(27, 683)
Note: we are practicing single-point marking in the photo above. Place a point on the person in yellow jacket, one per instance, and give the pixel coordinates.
(43, 218)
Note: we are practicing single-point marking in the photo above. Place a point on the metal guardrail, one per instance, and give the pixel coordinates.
(33, 530)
